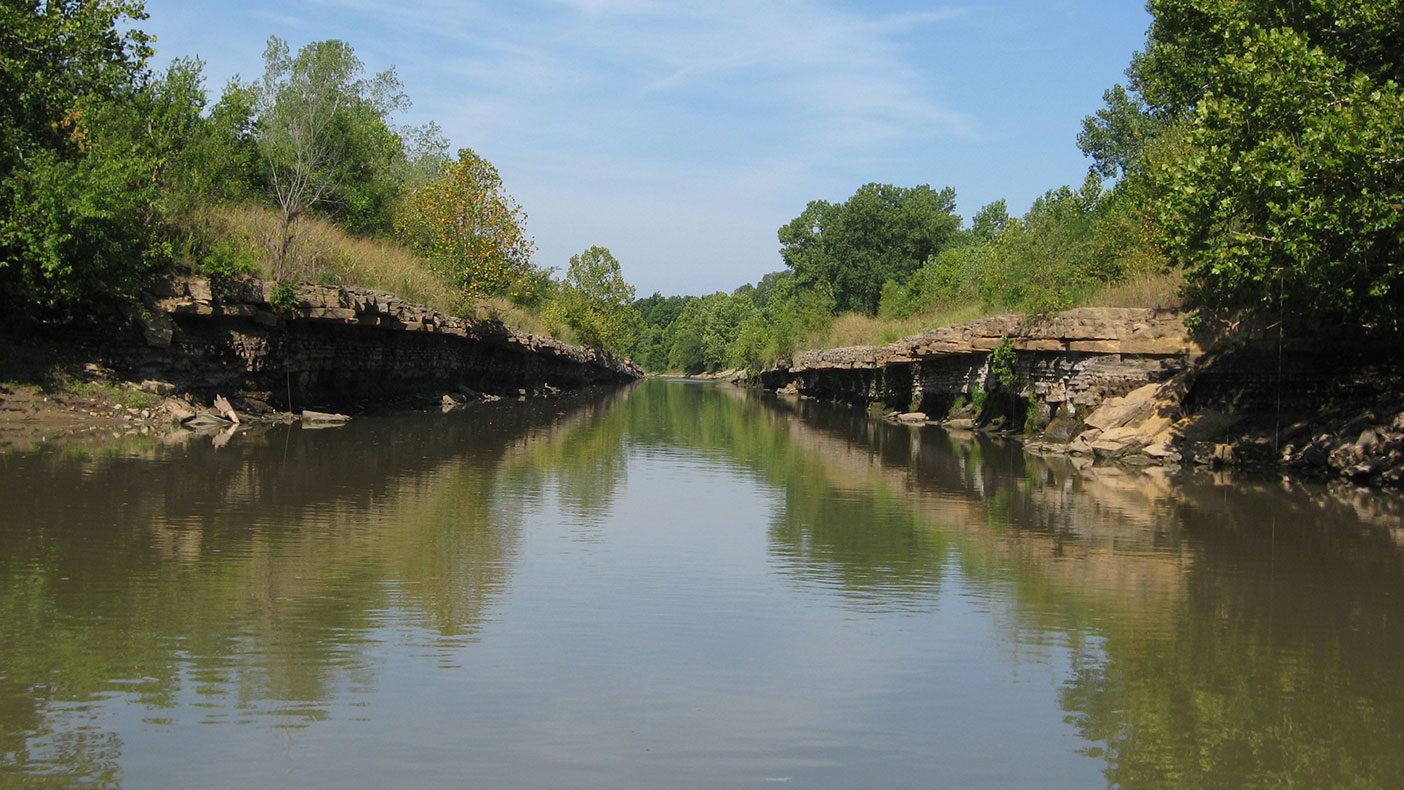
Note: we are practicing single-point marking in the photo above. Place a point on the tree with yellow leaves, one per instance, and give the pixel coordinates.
(469, 228)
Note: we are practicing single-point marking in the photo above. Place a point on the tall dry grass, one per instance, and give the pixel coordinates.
(518, 317)
(1146, 289)
(324, 253)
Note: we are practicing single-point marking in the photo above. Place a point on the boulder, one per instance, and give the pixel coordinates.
(1062, 429)
(155, 387)
(1131, 408)
(178, 410)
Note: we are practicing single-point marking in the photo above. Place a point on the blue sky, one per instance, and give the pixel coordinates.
(681, 135)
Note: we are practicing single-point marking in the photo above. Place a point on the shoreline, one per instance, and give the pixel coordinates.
(190, 354)
(1135, 387)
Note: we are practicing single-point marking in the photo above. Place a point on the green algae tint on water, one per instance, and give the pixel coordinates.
(684, 585)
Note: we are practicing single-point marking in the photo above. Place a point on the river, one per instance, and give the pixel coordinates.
(679, 584)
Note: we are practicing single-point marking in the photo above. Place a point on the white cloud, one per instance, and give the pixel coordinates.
(682, 133)
(606, 7)
(281, 20)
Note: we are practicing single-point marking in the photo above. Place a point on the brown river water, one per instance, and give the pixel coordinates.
(685, 585)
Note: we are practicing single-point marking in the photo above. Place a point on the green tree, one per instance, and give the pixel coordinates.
(75, 198)
(1116, 136)
(705, 332)
(597, 303)
(1290, 186)
(990, 221)
(1276, 168)
(883, 232)
(426, 155)
(222, 163)
(471, 229)
(324, 135)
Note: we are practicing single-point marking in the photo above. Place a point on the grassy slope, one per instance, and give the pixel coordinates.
(1145, 290)
(327, 254)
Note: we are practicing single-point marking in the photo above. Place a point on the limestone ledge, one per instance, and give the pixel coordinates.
(251, 300)
(1091, 330)
(1133, 385)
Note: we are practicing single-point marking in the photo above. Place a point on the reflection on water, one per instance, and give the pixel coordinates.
(688, 585)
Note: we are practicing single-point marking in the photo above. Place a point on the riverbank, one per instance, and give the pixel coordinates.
(1135, 386)
(205, 356)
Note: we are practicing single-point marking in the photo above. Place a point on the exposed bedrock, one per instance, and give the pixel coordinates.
(338, 347)
(1136, 386)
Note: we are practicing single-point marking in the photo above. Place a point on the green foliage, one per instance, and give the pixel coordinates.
(1004, 364)
(1274, 166)
(1031, 421)
(75, 228)
(472, 230)
(1070, 243)
(426, 155)
(1116, 136)
(977, 400)
(1039, 264)
(226, 262)
(895, 300)
(990, 221)
(57, 60)
(847, 251)
(325, 137)
(706, 330)
(1287, 194)
(285, 296)
(597, 303)
(75, 198)
(109, 393)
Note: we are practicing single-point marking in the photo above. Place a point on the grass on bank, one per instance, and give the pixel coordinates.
(325, 254)
(52, 369)
(1146, 289)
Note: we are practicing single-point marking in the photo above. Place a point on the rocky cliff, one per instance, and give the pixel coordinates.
(338, 347)
(1135, 385)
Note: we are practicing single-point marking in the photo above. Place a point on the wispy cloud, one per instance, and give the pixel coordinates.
(677, 128)
(280, 20)
(834, 63)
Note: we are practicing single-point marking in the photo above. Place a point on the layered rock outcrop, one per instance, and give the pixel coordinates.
(1135, 385)
(337, 347)
(1074, 359)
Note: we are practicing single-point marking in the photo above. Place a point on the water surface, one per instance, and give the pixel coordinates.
(684, 585)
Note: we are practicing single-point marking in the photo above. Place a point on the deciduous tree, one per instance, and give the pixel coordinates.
(883, 232)
(74, 197)
(469, 227)
(324, 135)
(1276, 175)
(597, 303)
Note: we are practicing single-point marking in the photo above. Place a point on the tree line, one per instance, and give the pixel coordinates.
(1254, 157)
(108, 172)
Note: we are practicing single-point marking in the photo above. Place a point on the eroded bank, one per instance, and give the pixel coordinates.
(1136, 386)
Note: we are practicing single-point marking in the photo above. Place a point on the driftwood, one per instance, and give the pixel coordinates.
(221, 405)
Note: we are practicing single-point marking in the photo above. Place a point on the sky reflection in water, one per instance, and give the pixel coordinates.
(684, 585)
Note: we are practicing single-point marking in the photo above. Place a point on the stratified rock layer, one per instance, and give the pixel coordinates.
(339, 346)
(1136, 385)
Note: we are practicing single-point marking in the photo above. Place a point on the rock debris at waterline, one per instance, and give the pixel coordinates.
(1133, 385)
